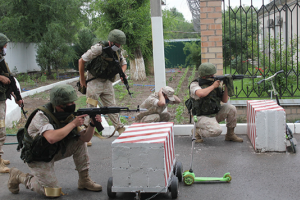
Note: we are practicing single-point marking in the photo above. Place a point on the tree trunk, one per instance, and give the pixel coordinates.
(137, 66)
(49, 70)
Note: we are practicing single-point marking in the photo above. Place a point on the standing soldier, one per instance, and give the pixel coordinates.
(4, 87)
(155, 104)
(52, 133)
(206, 96)
(101, 72)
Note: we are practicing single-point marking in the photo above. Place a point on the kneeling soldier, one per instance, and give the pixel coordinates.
(52, 133)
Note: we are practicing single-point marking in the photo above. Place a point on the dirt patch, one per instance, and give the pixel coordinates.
(140, 89)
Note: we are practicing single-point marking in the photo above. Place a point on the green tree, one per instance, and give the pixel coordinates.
(28, 20)
(36, 21)
(53, 51)
(176, 27)
(193, 50)
(239, 24)
(85, 39)
(133, 18)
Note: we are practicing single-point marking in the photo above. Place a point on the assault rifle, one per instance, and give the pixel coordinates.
(117, 64)
(225, 78)
(92, 112)
(234, 77)
(12, 87)
(121, 73)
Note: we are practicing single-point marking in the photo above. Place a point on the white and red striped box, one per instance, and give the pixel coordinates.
(143, 157)
(266, 122)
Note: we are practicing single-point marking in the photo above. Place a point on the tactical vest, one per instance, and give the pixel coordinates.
(209, 105)
(38, 148)
(4, 71)
(103, 66)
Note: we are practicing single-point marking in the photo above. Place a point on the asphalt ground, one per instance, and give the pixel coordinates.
(259, 176)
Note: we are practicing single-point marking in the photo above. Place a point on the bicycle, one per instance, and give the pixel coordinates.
(291, 141)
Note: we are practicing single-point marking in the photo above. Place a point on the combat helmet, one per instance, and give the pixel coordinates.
(62, 94)
(3, 40)
(206, 69)
(117, 36)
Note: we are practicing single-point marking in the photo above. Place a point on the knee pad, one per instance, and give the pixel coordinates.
(52, 192)
(92, 102)
(2, 123)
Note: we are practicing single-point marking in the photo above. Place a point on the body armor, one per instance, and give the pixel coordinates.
(38, 148)
(103, 66)
(209, 105)
(4, 71)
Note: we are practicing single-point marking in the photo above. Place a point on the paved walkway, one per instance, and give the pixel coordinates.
(259, 176)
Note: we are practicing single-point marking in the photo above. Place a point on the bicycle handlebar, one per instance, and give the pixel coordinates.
(274, 75)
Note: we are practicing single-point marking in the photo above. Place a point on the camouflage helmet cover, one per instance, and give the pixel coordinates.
(3, 40)
(62, 94)
(117, 36)
(206, 69)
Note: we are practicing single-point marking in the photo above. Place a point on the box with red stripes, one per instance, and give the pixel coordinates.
(266, 122)
(143, 158)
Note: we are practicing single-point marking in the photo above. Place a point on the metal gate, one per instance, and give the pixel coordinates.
(262, 41)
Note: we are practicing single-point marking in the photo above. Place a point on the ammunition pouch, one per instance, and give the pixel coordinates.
(82, 89)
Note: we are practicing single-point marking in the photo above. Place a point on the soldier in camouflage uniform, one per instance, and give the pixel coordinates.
(52, 134)
(4, 82)
(101, 73)
(155, 104)
(207, 95)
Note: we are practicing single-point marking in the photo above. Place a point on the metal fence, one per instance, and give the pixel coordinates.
(262, 41)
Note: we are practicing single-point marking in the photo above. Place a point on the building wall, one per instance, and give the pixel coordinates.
(22, 56)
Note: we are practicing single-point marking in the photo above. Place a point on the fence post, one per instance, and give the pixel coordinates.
(211, 33)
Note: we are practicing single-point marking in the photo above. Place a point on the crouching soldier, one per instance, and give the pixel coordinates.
(206, 96)
(52, 133)
(155, 104)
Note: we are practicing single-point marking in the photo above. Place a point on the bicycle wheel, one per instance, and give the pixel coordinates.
(293, 146)
(290, 138)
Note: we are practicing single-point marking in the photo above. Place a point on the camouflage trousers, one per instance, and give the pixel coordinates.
(43, 174)
(210, 127)
(103, 89)
(163, 117)
(2, 125)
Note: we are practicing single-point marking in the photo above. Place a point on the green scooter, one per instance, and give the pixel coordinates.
(189, 176)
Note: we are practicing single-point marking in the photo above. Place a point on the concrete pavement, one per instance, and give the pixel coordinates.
(258, 176)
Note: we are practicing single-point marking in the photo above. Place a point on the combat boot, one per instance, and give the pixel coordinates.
(197, 136)
(85, 182)
(121, 130)
(231, 136)
(3, 168)
(15, 178)
(6, 162)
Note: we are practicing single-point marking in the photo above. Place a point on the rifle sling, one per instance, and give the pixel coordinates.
(90, 79)
(102, 137)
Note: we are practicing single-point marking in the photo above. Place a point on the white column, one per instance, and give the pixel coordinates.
(158, 45)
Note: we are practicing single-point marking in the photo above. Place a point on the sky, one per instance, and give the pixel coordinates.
(182, 5)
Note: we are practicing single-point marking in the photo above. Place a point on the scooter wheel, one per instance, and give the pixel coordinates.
(228, 176)
(188, 180)
(109, 186)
